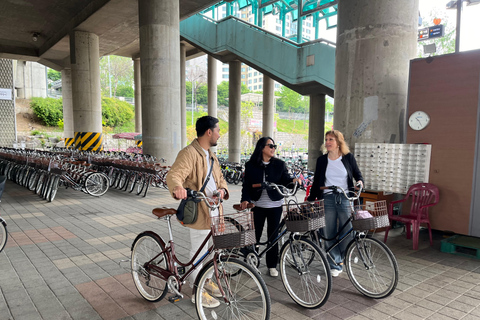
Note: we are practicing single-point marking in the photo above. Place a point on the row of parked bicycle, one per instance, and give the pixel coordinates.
(90, 172)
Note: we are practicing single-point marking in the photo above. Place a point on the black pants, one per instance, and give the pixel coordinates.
(273, 216)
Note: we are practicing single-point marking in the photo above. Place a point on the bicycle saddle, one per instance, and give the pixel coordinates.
(161, 212)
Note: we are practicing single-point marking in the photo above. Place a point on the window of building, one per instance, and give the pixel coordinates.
(278, 28)
(277, 85)
(260, 87)
(278, 21)
(250, 88)
(244, 15)
(250, 81)
(243, 76)
(225, 76)
(309, 24)
(243, 69)
(255, 73)
(225, 69)
(260, 79)
(287, 24)
(254, 87)
(250, 19)
(307, 31)
(255, 80)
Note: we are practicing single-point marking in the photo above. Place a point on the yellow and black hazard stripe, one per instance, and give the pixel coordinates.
(138, 143)
(69, 142)
(91, 141)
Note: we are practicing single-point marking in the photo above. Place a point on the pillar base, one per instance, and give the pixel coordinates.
(89, 141)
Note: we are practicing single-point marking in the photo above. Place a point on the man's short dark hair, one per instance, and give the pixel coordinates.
(204, 123)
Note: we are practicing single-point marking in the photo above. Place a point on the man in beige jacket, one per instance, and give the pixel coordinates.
(190, 170)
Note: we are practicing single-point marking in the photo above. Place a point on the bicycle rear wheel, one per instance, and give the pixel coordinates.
(3, 234)
(305, 273)
(372, 267)
(145, 247)
(244, 289)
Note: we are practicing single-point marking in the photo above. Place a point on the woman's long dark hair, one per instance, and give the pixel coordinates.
(257, 155)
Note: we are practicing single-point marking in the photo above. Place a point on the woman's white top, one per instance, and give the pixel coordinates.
(265, 201)
(336, 175)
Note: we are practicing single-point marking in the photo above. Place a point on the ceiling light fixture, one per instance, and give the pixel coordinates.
(35, 37)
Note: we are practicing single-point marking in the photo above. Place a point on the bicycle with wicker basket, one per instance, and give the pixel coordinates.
(156, 269)
(371, 265)
(303, 266)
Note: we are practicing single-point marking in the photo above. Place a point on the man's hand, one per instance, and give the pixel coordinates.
(220, 193)
(179, 193)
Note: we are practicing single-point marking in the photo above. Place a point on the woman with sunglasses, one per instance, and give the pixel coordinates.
(337, 167)
(264, 167)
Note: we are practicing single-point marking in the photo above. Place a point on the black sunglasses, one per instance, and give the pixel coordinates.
(272, 146)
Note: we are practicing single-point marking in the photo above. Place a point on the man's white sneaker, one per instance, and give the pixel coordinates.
(273, 272)
(212, 289)
(335, 272)
(208, 301)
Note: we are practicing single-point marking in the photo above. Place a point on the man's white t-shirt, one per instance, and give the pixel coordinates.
(211, 186)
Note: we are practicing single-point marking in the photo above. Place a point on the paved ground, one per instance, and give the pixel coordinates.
(61, 262)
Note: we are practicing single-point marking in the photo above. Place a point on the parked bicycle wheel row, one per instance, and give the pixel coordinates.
(133, 176)
(232, 172)
(43, 173)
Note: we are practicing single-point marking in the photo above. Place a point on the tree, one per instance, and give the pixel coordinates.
(290, 100)
(53, 75)
(445, 44)
(117, 71)
(196, 74)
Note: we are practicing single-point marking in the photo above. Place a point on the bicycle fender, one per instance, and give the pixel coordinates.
(153, 234)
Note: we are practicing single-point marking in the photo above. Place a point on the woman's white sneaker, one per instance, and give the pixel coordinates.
(273, 272)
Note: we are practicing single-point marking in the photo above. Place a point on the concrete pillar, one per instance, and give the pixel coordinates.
(86, 96)
(138, 94)
(68, 131)
(234, 110)
(20, 79)
(183, 93)
(212, 90)
(316, 129)
(212, 86)
(268, 106)
(160, 64)
(375, 42)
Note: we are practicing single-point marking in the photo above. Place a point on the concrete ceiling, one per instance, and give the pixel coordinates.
(114, 21)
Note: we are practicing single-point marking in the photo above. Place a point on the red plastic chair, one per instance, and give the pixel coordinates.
(423, 196)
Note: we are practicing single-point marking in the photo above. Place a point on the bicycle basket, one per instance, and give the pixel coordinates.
(304, 216)
(377, 216)
(234, 230)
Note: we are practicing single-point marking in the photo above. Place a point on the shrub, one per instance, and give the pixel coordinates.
(116, 112)
(48, 110)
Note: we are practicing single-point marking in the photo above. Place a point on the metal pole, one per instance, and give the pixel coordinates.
(193, 93)
(109, 77)
(457, 31)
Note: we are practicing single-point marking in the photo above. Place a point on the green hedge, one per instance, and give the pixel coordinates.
(48, 110)
(114, 111)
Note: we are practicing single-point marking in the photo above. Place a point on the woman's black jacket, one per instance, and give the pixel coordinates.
(350, 164)
(276, 172)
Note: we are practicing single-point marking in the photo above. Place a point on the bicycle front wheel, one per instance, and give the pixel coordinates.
(3, 234)
(145, 248)
(96, 184)
(372, 267)
(305, 273)
(245, 293)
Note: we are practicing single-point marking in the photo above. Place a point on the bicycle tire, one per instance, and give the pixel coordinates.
(32, 181)
(123, 180)
(40, 182)
(46, 187)
(145, 247)
(141, 184)
(377, 276)
(96, 184)
(134, 183)
(308, 280)
(53, 188)
(3, 234)
(243, 287)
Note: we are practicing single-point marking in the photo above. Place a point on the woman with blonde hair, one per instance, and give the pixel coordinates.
(337, 167)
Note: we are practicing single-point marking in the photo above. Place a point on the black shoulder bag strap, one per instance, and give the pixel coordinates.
(208, 176)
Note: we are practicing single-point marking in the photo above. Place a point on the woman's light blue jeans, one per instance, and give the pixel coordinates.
(337, 212)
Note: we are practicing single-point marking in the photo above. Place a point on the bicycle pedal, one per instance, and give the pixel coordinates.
(174, 298)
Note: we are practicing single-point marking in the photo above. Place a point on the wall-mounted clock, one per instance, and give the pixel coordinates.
(419, 120)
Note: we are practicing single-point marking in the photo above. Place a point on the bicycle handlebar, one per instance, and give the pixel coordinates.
(270, 185)
(212, 203)
(356, 194)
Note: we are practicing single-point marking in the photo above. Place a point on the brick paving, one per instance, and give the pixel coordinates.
(62, 259)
